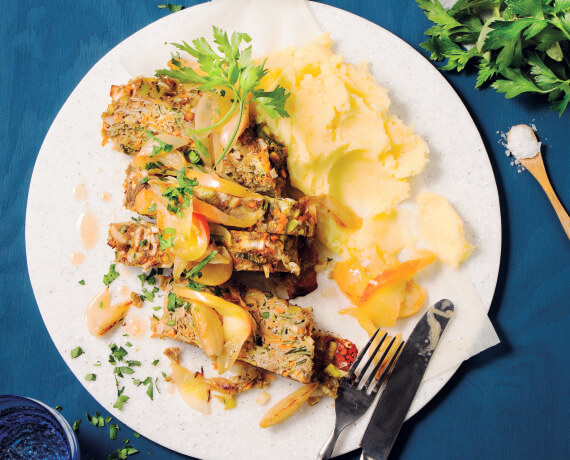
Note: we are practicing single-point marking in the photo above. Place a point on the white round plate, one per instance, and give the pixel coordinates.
(72, 154)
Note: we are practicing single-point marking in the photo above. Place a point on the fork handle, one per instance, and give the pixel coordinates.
(327, 450)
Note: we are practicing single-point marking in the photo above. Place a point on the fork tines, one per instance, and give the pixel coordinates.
(384, 356)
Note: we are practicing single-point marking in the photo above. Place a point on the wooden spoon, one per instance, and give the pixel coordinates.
(535, 166)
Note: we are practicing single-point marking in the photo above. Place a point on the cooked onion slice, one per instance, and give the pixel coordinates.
(214, 182)
(100, 316)
(217, 271)
(236, 323)
(229, 127)
(193, 390)
(413, 300)
(208, 329)
(288, 405)
(173, 159)
(213, 214)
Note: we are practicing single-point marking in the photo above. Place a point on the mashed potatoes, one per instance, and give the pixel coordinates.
(443, 228)
(343, 142)
(341, 139)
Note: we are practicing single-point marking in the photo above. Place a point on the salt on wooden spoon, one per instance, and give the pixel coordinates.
(522, 143)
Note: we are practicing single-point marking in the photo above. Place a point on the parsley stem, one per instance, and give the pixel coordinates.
(231, 141)
(192, 132)
(558, 24)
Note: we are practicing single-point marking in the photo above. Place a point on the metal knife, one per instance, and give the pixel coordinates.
(404, 381)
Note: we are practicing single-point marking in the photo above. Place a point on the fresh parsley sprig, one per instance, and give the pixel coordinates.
(229, 70)
(518, 46)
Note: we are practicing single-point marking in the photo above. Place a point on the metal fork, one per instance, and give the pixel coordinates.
(356, 392)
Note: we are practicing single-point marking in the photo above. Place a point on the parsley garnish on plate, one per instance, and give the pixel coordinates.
(111, 275)
(76, 352)
(122, 399)
(232, 70)
(519, 46)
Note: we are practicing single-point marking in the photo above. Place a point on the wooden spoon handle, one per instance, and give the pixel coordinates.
(540, 175)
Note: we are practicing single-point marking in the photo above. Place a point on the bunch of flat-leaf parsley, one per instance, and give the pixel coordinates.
(231, 70)
(521, 46)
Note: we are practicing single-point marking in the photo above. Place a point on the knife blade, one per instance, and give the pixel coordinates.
(404, 381)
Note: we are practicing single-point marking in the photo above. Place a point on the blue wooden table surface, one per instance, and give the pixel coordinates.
(510, 402)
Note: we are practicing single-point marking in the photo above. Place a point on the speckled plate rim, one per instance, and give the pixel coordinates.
(332, 19)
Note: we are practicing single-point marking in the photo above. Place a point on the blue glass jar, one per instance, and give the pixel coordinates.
(31, 430)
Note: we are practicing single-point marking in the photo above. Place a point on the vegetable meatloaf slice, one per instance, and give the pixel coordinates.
(138, 244)
(257, 162)
(278, 215)
(283, 341)
(161, 105)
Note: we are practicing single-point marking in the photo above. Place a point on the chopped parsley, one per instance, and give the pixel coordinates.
(196, 270)
(82, 282)
(171, 303)
(159, 146)
(144, 180)
(155, 362)
(58, 408)
(196, 286)
(123, 453)
(113, 431)
(77, 351)
(118, 353)
(96, 420)
(154, 165)
(265, 314)
(167, 242)
(201, 148)
(147, 277)
(111, 276)
(76, 425)
(122, 399)
(180, 197)
(91, 377)
(120, 370)
(148, 295)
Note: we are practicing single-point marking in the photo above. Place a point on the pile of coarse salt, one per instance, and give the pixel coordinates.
(521, 143)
